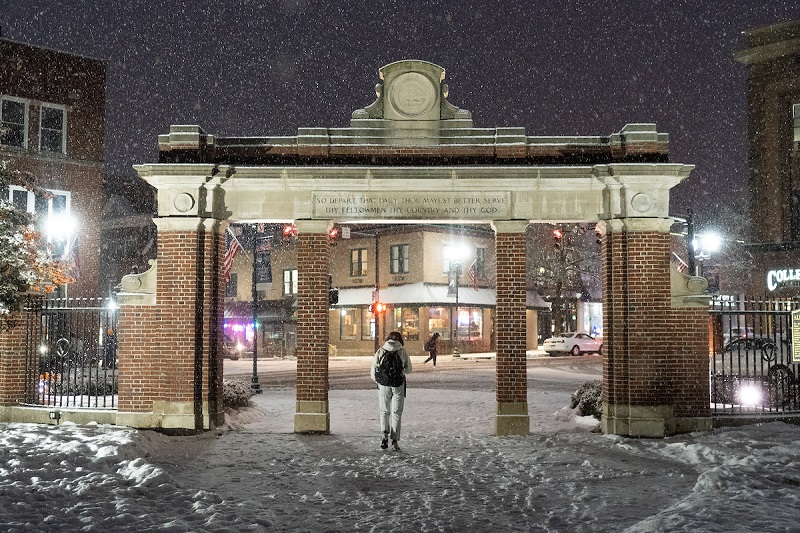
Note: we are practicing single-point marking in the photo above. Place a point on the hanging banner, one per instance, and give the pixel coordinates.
(796, 336)
(262, 261)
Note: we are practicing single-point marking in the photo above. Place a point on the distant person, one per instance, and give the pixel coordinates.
(389, 366)
(430, 346)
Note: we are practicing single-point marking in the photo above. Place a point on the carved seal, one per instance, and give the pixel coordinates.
(183, 202)
(642, 202)
(413, 94)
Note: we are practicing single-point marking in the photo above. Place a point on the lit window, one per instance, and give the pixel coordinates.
(399, 259)
(289, 282)
(53, 124)
(358, 262)
(439, 322)
(13, 122)
(47, 213)
(367, 325)
(347, 324)
(406, 320)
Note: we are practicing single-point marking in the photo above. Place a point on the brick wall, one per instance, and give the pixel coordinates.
(654, 355)
(84, 181)
(510, 325)
(12, 359)
(172, 351)
(312, 317)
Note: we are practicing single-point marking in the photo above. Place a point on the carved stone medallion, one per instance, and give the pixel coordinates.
(413, 94)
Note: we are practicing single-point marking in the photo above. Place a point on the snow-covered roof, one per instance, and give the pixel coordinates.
(429, 294)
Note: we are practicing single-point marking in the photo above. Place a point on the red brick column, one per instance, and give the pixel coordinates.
(170, 359)
(313, 414)
(511, 417)
(653, 352)
(12, 359)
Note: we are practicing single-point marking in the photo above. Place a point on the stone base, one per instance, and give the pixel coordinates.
(312, 417)
(655, 421)
(512, 419)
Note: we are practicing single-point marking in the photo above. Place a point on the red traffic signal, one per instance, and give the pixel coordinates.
(378, 308)
(289, 231)
(558, 237)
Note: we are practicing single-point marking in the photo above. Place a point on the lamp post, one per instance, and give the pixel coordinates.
(456, 254)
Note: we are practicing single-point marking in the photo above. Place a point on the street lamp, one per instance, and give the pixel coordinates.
(61, 227)
(455, 254)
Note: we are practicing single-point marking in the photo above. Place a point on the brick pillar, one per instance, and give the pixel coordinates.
(13, 336)
(654, 354)
(170, 358)
(511, 416)
(312, 411)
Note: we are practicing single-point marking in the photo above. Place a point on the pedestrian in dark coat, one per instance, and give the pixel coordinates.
(430, 346)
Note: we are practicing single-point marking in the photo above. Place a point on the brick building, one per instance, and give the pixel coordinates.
(52, 114)
(772, 57)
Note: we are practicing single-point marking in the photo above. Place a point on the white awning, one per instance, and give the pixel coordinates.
(429, 295)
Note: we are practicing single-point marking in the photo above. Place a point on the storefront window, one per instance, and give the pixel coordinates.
(367, 325)
(406, 320)
(439, 322)
(347, 324)
(469, 322)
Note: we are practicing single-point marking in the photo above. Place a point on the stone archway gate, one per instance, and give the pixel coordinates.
(413, 156)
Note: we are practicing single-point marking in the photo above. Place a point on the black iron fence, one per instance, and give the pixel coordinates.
(751, 366)
(71, 353)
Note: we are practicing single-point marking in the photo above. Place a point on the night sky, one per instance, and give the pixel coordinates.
(242, 67)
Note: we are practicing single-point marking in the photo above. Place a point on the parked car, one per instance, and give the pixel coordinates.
(572, 343)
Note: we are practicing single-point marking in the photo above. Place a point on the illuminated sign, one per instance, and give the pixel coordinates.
(783, 278)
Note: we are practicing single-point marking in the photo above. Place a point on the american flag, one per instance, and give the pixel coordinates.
(227, 262)
(680, 264)
(473, 275)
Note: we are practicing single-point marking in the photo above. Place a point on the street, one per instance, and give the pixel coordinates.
(470, 372)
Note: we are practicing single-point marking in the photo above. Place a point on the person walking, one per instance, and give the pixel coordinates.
(391, 397)
(430, 346)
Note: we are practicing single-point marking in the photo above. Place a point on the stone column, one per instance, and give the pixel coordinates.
(654, 354)
(312, 411)
(170, 331)
(511, 417)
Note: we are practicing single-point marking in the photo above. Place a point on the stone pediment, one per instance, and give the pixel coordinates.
(411, 121)
(412, 90)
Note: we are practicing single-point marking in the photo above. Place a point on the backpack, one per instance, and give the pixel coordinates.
(428, 346)
(390, 369)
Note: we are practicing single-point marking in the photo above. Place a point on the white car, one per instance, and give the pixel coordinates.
(572, 343)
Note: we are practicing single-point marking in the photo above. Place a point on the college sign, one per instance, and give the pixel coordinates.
(787, 277)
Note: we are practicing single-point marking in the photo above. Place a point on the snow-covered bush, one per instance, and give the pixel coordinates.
(236, 393)
(589, 399)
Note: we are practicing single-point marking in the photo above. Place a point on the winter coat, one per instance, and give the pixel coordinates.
(391, 345)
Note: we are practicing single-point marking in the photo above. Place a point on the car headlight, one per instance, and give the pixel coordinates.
(750, 394)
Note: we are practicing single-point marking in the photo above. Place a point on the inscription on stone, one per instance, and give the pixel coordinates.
(398, 205)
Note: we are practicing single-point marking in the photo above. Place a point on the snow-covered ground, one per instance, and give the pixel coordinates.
(255, 474)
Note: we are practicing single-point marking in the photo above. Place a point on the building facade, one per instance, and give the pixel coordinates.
(52, 119)
(415, 270)
(772, 58)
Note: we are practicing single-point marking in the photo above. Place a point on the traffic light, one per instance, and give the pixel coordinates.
(333, 235)
(377, 308)
(289, 231)
(558, 238)
(333, 294)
